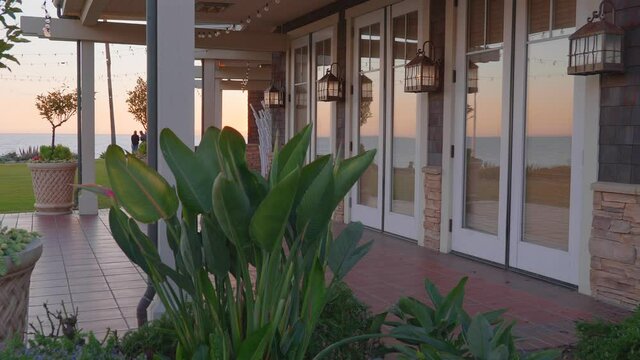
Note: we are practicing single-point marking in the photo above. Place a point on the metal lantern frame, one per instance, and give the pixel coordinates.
(330, 87)
(472, 77)
(366, 88)
(598, 46)
(422, 73)
(274, 96)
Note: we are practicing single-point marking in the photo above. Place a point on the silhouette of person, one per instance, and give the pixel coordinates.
(135, 141)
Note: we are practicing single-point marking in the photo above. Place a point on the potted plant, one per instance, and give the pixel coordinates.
(19, 251)
(53, 170)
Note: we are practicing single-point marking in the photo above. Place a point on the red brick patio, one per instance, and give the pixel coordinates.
(82, 265)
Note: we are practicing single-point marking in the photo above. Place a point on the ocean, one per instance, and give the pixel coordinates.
(542, 151)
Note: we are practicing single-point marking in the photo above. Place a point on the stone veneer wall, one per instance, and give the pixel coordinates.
(432, 217)
(615, 243)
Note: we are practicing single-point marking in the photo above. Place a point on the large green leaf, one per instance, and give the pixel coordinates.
(270, 219)
(232, 209)
(447, 311)
(344, 252)
(214, 243)
(418, 310)
(194, 185)
(119, 225)
(141, 190)
(207, 153)
(254, 347)
(348, 172)
(315, 295)
(314, 211)
(479, 337)
(293, 153)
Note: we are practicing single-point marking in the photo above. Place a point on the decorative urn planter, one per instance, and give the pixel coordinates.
(14, 291)
(53, 187)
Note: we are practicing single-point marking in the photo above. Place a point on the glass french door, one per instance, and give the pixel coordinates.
(322, 113)
(387, 120)
(516, 163)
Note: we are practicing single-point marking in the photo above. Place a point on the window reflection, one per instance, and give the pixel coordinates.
(482, 141)
(323, 109)
(300, 70)
(369, 117)
(549, 119)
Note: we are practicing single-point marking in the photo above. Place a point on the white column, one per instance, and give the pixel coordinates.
(217, 103)
(87, 201)
(208, 93)
(175, 99)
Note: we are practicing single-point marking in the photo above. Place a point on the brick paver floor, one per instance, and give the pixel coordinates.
(82, 265)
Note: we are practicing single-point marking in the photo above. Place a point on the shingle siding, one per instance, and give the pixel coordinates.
(620, 105)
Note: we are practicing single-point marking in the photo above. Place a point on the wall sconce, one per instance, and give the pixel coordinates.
(597, 47)
(274, 97)
(472, 78)
(366, 88)
(422, 73)
(330, 87)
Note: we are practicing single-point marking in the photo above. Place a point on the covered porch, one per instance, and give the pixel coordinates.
(82, 266)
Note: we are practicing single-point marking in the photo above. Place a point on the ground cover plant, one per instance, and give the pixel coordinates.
(601, 340)
(234, 222)
(12, 242)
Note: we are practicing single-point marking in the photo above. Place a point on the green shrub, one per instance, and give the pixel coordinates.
(58, 153)
(344, 316)
(142, 149)
(599, 340)
(156, 337)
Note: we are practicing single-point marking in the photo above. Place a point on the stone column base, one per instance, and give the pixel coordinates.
(615, 243)
(433, 202)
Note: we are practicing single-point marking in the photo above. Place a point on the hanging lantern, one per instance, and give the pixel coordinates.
(422, 73)
(274, 97)
(366, 88)
(597, 47)
(330, 87)
(472, 78)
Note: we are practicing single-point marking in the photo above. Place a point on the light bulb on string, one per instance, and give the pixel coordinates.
(276, 1)
(266, 7)
(217, 33)
(248, 20)
(258, 14)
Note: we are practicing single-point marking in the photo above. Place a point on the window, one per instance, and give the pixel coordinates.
(548, 123)
(300, 87)
(323, 116)
(483, 115)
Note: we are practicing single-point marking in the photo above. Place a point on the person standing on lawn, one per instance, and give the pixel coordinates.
(143, 136)
(135, 141)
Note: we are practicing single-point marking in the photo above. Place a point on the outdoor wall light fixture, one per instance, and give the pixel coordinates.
(274, 96)
(422, 73)
(472, 78)
(366, 88)
(597, 47)
(330, 87)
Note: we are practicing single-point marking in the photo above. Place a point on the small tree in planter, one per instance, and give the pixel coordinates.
(19, 251)
(57, 107)
(53, 170)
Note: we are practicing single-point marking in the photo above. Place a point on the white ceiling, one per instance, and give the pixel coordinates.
(236, 12)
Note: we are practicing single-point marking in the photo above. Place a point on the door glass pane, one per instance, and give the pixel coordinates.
(549, 121)
(369, 114)
(482, 141)
(564, 14)
(300, 74)
(323, 108)
(475, 24)
(403, 146)
(399, 40)
(539, 16)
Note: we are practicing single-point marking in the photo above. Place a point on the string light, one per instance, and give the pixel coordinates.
(240, 25)
(46, 30)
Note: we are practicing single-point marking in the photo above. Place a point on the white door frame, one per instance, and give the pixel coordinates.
(557, 264)
(291, 120)
(367, 215)
(400, 224)
(475, 243)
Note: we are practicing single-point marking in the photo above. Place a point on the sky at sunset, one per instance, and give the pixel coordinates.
(47, 65)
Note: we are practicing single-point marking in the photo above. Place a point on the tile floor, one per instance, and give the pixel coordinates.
(82, 265)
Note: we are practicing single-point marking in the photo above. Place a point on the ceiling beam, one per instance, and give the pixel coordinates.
(251, 85)
(256, 41)
(72, 30)
(261, 57)
(91, 11)
(236, 45)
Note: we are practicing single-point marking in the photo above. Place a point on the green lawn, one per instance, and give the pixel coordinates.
(16, 193)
